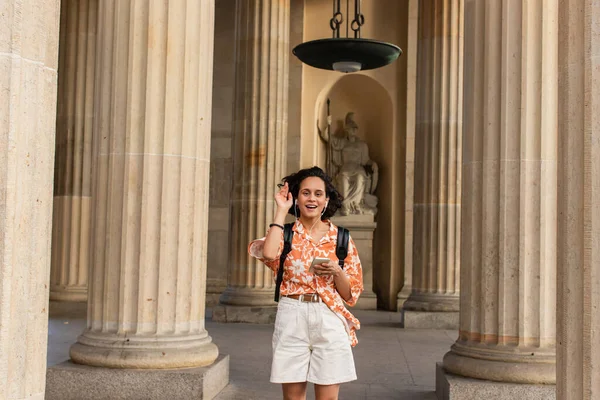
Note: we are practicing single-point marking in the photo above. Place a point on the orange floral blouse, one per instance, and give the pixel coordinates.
(297, 279)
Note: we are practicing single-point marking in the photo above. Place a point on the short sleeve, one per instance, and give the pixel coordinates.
(353, 270)
(255, 249)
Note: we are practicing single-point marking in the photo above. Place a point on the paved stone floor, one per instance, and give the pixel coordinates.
(391, 362)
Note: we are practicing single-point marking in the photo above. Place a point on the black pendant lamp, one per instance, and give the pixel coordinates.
(347, 54)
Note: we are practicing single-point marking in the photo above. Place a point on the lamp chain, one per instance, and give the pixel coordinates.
(338, 18)
(359, 19)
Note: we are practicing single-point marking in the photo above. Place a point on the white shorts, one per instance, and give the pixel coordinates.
(310, 344)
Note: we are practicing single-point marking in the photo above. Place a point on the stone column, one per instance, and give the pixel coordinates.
(509, 208)
(150, 192)
(259, 149)
(220, 152)
(28, 81)
(434, 300)
(578, 333)
(410, 54)
(73, 165)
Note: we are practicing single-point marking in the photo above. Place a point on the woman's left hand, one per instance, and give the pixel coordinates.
(340, 280)
(330, 268)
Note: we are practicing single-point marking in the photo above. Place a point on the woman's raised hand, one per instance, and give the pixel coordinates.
(284, 198)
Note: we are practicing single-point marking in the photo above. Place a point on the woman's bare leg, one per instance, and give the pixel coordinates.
(294, 391)
(327, 392)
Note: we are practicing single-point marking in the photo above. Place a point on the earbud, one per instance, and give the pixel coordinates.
(295, 210)
(325, 208)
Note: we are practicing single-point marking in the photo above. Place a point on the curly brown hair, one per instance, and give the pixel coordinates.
(335, 198)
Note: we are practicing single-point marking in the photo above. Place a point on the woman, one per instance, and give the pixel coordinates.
(314, 332)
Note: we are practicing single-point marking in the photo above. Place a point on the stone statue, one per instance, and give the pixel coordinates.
(356, 175)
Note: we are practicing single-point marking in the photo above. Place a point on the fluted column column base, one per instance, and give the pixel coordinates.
(245, 296)
(214, 290)
(145, 352)
(244, 314)
(503, 363)
(403, 295)
(76, 294)
(432, 302)
(70, 254)
(506, 372)
(431, 311)
(449, 386)
(249, 305)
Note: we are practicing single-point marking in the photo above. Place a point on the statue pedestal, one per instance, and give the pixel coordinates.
(361, 230)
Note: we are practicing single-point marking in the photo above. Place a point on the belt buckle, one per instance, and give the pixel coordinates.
(313, 298)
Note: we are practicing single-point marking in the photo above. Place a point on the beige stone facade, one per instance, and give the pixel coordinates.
(142, 142)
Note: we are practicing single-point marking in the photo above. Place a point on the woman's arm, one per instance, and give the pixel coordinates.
(342, 283)
(284, 201)
(274, 235)
(353, 272)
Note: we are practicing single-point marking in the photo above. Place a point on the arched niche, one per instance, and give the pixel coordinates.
(374, 113)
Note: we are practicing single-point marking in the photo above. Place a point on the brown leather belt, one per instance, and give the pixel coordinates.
(306, 298)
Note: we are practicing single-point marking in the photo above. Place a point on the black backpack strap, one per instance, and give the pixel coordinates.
(341, 248)
(288, 235)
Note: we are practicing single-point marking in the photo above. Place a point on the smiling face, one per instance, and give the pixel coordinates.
(312, 197)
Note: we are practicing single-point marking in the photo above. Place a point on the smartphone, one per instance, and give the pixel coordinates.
(317, 261)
